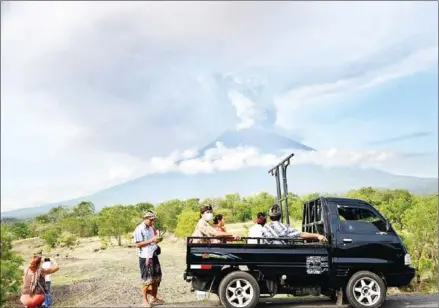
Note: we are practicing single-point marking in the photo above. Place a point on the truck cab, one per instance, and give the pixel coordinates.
(362, 258)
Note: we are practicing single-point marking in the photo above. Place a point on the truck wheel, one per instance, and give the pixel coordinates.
(366, 289)
(239, 290)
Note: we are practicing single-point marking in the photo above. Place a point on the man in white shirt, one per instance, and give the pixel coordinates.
(46, 265)
(256, 229)
(150, 270)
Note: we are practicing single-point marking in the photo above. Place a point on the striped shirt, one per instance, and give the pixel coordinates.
(278, 229)
(144, 233)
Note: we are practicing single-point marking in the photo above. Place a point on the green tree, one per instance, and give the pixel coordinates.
(259, 203)
(422, 238)
(11, 274)
(117, 220)
(186, 223)
(192, 204)
(368, 194)
(51, 237)
(56, 214)
(142, 207)
(393, 205)
(82, 220)
(214, 202)
(20, 230)
(42, 219)
(167, 213)
(68, 239)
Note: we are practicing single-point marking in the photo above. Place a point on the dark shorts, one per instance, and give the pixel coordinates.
(150, 271)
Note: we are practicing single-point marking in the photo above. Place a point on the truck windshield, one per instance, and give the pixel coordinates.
(359, 220)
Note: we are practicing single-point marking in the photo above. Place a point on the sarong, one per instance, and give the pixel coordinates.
(150, 271)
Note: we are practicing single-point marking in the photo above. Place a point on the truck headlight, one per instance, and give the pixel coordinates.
(407, 260)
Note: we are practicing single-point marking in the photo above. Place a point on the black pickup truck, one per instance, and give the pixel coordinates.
(362, 258)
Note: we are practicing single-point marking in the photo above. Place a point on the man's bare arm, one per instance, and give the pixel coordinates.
(53, 269)
(307, 236)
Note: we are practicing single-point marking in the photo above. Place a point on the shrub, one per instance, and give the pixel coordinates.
(11, 274)
(104, 243)
(68, 239)
(186, 223)
(51, 237)
(20, 230)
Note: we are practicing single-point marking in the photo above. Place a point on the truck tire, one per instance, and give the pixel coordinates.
(366, 290)
(239, 290)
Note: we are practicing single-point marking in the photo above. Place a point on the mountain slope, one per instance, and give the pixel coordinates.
(264, 140)
(301, 179)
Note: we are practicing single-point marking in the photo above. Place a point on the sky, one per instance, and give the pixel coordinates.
(97, 93)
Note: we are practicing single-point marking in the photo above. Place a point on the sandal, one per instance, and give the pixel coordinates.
(158, 300)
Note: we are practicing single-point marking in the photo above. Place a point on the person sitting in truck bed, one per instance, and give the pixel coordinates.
(256, 231)
(277, 229)
(204, 229)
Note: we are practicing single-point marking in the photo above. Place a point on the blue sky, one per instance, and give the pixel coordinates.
(92, 91)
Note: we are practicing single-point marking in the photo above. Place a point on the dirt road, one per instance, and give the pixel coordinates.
(396, 301)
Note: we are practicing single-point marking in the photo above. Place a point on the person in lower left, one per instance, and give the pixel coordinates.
(34, 283)
(150, 270)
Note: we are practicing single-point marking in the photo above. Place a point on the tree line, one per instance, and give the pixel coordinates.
(412, 215)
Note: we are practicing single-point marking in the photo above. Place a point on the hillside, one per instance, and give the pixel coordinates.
(302, 179)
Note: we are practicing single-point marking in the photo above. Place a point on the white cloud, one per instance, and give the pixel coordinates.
(90, 90)
(99, 170)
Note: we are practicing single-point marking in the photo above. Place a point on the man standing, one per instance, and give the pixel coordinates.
(150, 270)
(275, 229)
(46, 265)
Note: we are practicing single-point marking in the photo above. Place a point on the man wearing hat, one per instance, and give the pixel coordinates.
(150, 270)
(277, 229)
(204, 229)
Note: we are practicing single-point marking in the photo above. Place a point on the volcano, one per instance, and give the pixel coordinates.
(265, 140)
(302, 179)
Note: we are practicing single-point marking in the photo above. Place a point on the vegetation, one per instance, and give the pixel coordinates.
(11, 275)
(413, 216)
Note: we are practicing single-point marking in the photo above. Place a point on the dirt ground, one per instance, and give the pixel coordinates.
(111, 277)
(90, 277)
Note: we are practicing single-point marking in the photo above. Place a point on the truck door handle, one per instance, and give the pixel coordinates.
(347, 240)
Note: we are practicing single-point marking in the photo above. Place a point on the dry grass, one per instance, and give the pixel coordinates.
(109, 277)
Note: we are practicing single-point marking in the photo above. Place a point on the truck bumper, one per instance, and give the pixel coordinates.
(401, 279)
(187, 277)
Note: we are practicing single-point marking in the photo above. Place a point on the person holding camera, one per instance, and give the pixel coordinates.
(34, 281)
(150, 269)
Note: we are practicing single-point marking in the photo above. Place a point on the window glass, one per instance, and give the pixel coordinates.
(358, 220)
